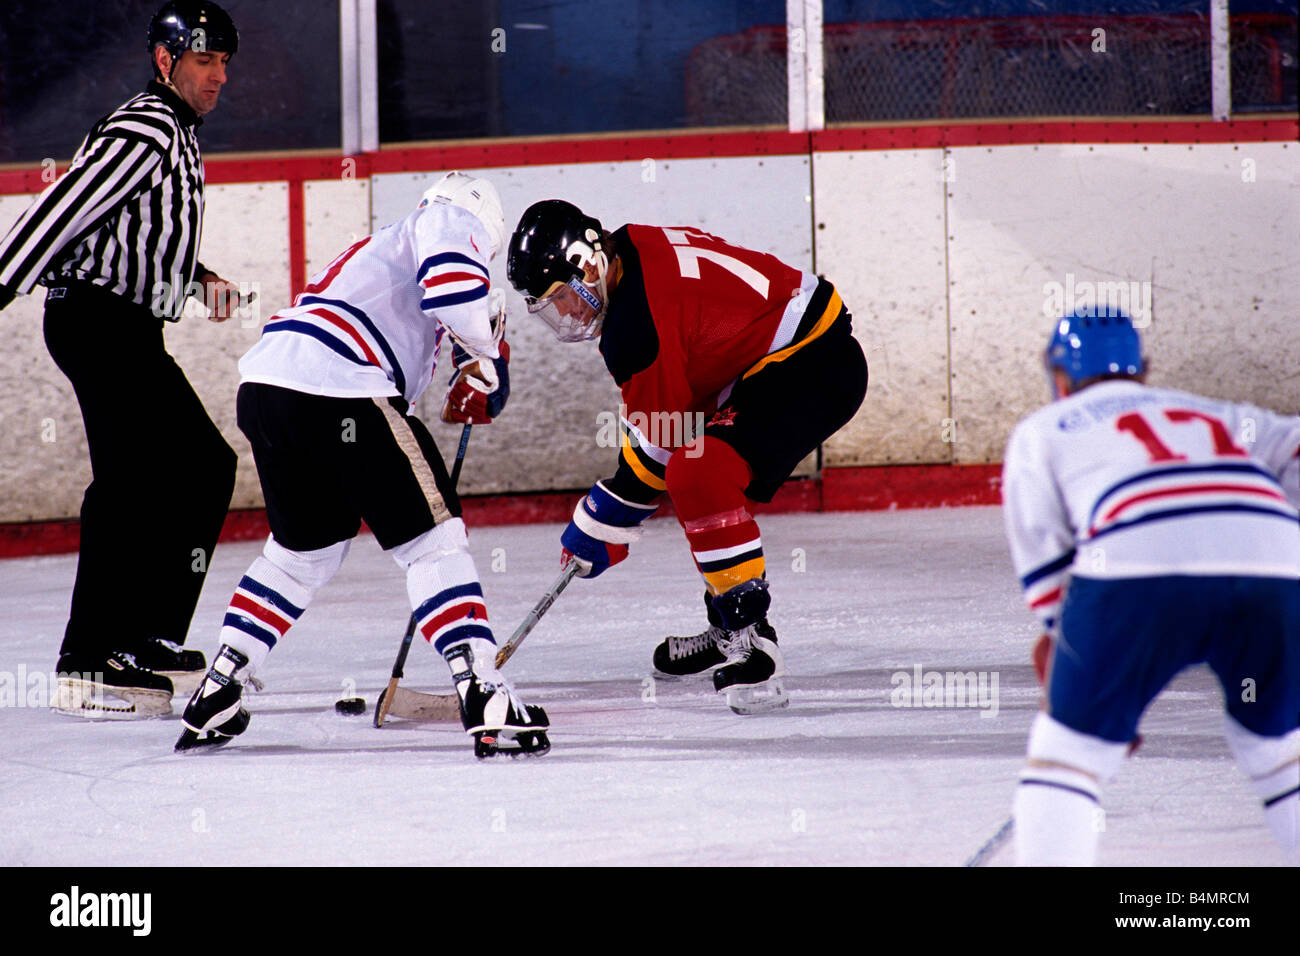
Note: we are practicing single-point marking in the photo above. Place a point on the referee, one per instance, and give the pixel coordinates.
(115, 242)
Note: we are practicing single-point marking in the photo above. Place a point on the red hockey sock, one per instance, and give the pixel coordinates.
(707, 481)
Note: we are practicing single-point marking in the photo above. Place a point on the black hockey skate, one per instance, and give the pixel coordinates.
(493, 714)
(215, 714)
(110, 686)
(678, 657)
(751, 675)
(184, 668)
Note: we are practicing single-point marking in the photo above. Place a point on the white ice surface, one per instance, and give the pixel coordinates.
(641, 772)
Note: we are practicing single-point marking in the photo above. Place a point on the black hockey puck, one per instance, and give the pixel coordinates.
(352, 706)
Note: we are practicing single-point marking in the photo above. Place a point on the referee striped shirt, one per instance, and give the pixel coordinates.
(126, 216)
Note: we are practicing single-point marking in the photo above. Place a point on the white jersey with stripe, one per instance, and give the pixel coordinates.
(372, 322)
(1124, 481)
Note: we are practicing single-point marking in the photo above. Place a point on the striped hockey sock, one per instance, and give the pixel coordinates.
(266, 603)
(449, 605)
(1058, 817)
(708, 491)
(1280, 792)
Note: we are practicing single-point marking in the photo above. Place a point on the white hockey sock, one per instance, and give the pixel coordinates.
(1273, 766)
(1280, 791)
(1058, 817)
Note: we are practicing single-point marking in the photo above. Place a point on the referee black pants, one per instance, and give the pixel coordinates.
(162, 475)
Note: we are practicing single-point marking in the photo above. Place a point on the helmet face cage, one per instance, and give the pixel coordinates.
(567, 326)
(1085, 346)
(184, 25)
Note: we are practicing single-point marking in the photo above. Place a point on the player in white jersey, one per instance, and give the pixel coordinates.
(324, 402)
(1152, 529)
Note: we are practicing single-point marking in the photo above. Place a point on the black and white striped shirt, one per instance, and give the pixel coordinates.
(126, 216)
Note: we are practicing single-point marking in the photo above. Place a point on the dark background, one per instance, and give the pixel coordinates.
(578, 66)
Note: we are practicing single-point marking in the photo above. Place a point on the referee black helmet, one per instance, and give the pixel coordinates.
(199, 25)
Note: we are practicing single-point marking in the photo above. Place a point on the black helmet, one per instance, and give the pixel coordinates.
(192, 25)
(553, 241)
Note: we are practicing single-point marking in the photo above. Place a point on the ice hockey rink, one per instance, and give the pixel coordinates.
(641, 772)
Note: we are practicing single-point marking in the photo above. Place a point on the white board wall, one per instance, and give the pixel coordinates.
(942, 256)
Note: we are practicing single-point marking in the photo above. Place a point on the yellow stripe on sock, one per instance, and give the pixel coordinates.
(728, 578)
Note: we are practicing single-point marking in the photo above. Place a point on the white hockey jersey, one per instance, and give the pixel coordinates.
(1124, 481)
(371, 323)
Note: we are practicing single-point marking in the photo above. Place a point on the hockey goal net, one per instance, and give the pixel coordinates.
(1012, 66)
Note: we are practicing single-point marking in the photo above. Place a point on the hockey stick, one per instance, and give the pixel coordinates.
(386, 699)
(460, 455)
(385, 702)
(992, 844)
(417, 705)
(541, 607)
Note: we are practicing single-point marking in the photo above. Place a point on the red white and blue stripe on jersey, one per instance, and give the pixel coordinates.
(260, 611)
(1178, 491)
(454, 614)
(1044, 588)
(342, 328)
(450, 279)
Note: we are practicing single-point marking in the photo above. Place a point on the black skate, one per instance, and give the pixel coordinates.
(184, 668)
(678, 657)
(492, 713)
(110, 686)
(215, 713)
(752, 673)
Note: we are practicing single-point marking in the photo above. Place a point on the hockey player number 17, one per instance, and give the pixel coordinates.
(1139, 428)
(689, 256)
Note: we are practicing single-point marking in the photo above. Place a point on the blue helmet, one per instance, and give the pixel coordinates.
(1086, 346)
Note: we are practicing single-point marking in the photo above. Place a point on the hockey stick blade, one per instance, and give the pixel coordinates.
(541, 607)
(994, 843)
(416, 705)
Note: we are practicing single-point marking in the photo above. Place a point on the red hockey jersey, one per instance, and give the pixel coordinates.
(692, 313)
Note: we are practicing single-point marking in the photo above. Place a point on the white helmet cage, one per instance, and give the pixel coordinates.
(476, 195)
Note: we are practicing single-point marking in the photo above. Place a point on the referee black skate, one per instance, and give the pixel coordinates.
(115, 241)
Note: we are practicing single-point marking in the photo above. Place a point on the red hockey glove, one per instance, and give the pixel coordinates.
(479, 389)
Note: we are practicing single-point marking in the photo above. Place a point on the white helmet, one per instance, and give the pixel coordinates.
(478, 196)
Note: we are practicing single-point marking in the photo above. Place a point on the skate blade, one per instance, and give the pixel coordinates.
(75, 697)
(524, 743)
(757, 698)
(706, 674)
(189, 741)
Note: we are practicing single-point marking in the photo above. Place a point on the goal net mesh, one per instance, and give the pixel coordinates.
(1012, 66)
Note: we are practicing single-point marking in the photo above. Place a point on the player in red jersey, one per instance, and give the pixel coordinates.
(693, 327)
